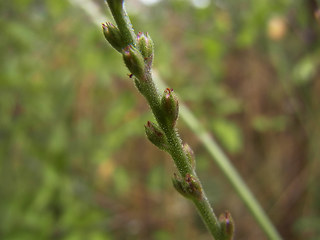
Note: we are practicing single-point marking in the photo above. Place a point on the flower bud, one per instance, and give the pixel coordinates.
(179, 186)
(227, 226)
(170, 106)
(134, 61)
(156, 135)
(113, 36)
(145, 45)
(190, 155)
(188, 187)
(193, 186)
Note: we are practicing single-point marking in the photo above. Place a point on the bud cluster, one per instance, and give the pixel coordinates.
(138, 58)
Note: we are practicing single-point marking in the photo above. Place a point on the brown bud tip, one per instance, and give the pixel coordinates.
(193, 186)
(227, 225)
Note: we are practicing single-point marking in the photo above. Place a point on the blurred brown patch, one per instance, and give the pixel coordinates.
(279, 155)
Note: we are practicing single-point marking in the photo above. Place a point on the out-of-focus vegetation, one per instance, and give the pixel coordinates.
(74, 161)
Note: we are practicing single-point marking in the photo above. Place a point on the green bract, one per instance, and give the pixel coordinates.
(134, 61)
(113, 36)
(156, 135)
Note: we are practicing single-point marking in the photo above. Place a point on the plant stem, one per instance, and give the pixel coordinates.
(178, 155)
(121, 17)
(205, 210)
(192, 185)
(212, 147)
(181, 161)
(232, 175)
(225, 165)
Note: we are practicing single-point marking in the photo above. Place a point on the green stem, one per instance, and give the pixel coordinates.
(176, 151)
(228, 170)
(204, 208)
(212, 147)
(180, 159)
(122, 19)
(232, 175)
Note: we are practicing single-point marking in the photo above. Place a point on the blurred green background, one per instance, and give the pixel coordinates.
(74, 161)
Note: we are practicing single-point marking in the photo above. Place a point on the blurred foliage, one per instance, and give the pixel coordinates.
(74, 162)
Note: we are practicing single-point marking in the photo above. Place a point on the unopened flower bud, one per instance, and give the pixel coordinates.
(227, 226)
(179, 186)
(193, 186)
(134, 61)
(170, 106)
(190, 155)
(113, 36)
(145, 45)
(188, 187)
(156, 135)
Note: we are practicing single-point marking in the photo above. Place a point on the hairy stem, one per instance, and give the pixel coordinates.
(214, 150)
(164, 113)
(121, 17)
(178, 155)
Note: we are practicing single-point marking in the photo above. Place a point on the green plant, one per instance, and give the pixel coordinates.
(137, 52)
